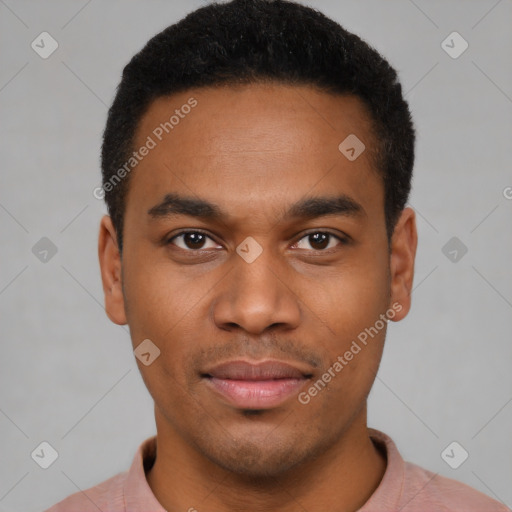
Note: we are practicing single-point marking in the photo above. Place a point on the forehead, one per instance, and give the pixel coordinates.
(257, 143)
(225, 115)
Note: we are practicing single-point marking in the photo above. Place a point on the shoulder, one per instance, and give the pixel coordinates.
(408, 487)
(106, 496)
(425, 490)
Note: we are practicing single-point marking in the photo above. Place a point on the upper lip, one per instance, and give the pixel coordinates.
(265, 370)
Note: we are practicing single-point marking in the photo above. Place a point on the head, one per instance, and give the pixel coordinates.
(267, 124)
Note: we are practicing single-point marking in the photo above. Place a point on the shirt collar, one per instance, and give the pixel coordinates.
(389, 492)
(138, 496)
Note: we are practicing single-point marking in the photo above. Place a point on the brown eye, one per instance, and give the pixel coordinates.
(319, 241)
(192, 240)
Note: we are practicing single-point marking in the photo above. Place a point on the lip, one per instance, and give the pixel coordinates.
(260, 385)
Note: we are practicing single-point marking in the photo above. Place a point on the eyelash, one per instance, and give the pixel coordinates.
(341, 239)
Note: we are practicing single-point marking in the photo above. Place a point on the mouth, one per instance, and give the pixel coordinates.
(263, 385)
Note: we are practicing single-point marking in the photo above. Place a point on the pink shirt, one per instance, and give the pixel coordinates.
(405, 487)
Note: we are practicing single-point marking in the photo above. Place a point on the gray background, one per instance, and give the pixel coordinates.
(68, 375)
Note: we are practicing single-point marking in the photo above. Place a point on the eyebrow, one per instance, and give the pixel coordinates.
(308, 208)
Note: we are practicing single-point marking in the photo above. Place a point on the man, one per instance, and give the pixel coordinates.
(256, 161)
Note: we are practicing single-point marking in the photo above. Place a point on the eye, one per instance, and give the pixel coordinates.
(320, 240)
(192, 240)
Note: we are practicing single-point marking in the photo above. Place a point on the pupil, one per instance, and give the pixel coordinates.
(320, 238)
(195, 239)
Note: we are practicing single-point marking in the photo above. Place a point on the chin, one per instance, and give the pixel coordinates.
(256, 464)
(262, 460)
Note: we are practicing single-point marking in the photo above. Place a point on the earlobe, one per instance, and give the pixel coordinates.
(110, 265)
(403, 252)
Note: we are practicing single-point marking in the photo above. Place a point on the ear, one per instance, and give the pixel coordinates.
(403, 251)
(110, 264)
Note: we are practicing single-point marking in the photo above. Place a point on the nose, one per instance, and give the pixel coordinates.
(256, 296)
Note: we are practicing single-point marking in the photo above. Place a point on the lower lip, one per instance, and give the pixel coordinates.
(256, 394)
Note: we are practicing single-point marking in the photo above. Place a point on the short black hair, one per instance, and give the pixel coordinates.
(250, 41)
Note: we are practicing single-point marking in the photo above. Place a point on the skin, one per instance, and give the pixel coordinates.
(254, 150)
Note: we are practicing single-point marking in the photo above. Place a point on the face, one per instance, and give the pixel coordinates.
(249, 237)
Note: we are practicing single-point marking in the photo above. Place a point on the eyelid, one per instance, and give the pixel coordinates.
(342, 237)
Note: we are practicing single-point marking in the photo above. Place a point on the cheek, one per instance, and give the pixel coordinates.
(353, 297)
(168, 390)
(159, 298)
(351, 303)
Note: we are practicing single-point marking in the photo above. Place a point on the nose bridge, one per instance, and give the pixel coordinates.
(255, 294)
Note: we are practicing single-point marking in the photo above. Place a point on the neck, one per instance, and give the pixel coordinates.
(343, 478)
